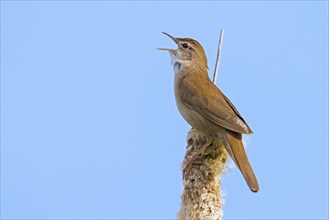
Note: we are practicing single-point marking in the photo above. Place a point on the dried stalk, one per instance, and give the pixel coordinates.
(218, 55)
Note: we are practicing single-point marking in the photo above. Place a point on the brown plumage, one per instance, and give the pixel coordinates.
(205, 107)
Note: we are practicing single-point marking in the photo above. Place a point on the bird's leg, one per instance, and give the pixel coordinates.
(189, 163)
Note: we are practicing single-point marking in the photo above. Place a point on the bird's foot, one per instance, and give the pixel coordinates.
(191, 161)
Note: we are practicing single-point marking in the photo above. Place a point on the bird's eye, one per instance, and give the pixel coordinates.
(185, 45)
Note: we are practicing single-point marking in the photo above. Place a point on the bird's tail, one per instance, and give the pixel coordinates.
(235, 149)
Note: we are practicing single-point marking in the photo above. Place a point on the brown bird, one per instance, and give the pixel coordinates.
(205, 107)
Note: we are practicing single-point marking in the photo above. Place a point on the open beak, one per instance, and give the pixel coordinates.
(168, 49)
(173, 38)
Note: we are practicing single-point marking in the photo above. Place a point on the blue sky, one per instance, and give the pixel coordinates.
(89, 125)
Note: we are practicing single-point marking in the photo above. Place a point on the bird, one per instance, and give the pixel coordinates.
(205, 107)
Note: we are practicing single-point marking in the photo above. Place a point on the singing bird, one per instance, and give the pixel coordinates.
(205, 107)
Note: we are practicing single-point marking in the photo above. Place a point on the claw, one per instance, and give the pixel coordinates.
(188, 165)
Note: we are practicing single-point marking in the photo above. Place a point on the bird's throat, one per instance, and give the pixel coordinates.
(177, 67)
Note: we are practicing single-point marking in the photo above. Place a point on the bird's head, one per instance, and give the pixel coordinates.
(188, 54)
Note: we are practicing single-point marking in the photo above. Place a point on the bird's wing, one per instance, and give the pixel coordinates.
(204, 97)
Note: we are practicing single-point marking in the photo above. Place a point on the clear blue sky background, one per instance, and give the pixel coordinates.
(89, 125)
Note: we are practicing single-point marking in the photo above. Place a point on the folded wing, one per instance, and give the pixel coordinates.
(219, 110)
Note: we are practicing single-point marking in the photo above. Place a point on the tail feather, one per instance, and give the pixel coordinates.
(236, 150)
